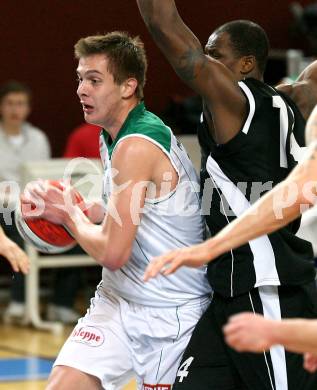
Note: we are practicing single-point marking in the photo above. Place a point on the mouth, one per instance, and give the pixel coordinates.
(87, 108)
(14, 117)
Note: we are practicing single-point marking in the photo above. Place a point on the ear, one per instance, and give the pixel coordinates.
(129, 87)
(248, 63)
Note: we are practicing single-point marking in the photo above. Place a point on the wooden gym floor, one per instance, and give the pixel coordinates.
(25, 352)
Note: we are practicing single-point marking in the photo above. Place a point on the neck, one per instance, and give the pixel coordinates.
(114, 124)
(12, 128)
(255, 74)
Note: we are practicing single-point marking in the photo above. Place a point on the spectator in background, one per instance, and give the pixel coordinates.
(82, 142)
(20, 141)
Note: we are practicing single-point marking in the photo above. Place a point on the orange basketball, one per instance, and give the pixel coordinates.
(44, 235)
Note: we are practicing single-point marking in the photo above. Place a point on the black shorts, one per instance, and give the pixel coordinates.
(209, 364)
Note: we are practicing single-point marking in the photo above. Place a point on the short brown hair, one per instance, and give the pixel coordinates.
(13, 86)
(126, 56)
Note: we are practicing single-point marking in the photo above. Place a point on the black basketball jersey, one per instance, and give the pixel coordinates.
(234, 175)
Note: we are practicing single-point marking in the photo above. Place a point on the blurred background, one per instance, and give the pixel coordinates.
(37, 39)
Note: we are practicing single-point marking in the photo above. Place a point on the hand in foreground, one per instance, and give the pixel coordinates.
(310, 362)
(193, 256)
(249, 332)
(15, 255)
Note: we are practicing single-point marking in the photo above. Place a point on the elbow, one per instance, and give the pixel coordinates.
(114, 260)
(112, 265)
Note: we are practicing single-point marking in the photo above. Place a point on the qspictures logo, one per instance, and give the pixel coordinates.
(89, 335)
(157, 387)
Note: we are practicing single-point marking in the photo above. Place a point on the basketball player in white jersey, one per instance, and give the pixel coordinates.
(131, 329)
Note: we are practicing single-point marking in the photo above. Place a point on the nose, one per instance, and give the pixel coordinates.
(81, 89)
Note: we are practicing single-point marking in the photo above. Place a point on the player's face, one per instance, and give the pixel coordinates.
(219, 47)
(14, 108)
(99, 95)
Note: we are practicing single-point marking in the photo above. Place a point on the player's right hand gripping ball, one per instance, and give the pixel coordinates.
(46, 236)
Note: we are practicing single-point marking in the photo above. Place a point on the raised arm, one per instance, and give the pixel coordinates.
(202, 73)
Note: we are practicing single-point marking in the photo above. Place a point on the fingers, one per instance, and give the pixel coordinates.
(236, 338)
(234, 331)
(234, 341)
(41, 197)
(310, 362)
(39, 185)
(32, 202)
(169, 263)
(23, 262)
(172, 267)
(242, 317)
(157, 265)
(18, 259)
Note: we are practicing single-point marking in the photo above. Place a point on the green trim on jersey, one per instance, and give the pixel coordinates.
(141, 122)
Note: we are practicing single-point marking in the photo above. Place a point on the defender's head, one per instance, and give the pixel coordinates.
(242, 46)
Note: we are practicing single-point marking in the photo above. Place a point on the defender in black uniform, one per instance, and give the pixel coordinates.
(250, 135)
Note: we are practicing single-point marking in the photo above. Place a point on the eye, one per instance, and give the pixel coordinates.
(94, 81)
(79, 79)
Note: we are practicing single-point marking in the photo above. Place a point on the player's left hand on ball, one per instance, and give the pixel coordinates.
(194, 256)
(249, 332)
(310, 362)
(14, 254)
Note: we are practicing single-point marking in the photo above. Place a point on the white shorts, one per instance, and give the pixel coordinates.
(119, 340)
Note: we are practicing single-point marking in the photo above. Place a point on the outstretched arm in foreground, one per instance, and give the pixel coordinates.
(248, 332)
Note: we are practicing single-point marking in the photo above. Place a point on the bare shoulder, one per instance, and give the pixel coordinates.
(136, 156)
(136, 147)
(311, 128)
(309, 73)
(303, 93)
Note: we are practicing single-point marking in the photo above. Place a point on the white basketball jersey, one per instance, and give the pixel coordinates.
(167, 222)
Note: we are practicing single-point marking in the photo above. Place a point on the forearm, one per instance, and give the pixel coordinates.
(159, 16)
(297, 335)
(178, 43)
(88, 235)
(97, 241)
(96, 211)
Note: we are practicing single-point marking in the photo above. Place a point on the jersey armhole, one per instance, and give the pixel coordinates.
(171, 193)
